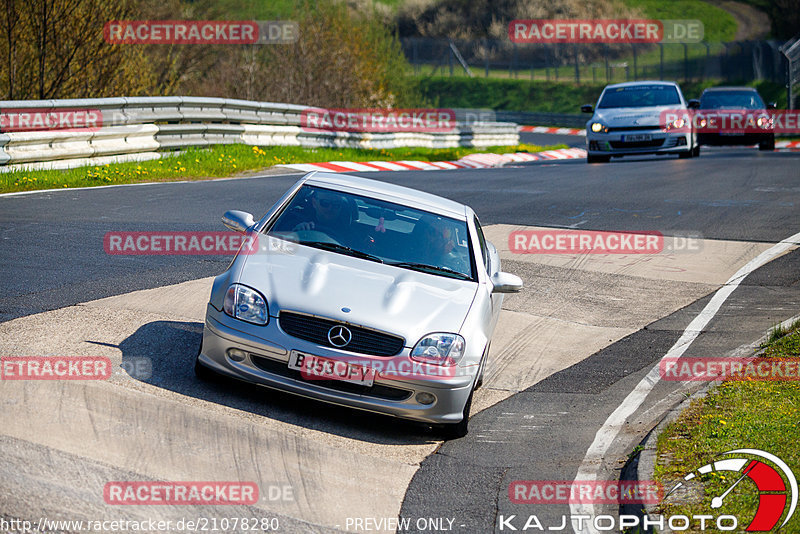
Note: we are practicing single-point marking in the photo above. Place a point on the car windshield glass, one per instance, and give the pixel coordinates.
(731, 100)
(640, 96)
(376, 230)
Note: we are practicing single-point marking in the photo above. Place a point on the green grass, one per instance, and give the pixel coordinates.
(718, 24)
(737, 414)
(226, 160)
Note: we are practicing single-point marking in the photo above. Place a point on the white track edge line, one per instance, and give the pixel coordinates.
(605, 436)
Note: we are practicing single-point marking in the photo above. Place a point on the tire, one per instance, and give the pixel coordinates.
(201, 371)
(450, 431)
(767, 145)
(686, 155)
(597, 159)
(482, 369)
(696, 151)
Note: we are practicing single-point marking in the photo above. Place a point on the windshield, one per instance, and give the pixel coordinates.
(376, 230)
(731, 100)
(640, 96)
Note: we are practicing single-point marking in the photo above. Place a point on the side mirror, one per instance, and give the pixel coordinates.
(587, 108)
(772, 105)
(506, 283)
(694, 104)
(238, 221)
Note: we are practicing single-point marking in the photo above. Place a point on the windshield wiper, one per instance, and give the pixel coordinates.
(425, 268)
(336, 247)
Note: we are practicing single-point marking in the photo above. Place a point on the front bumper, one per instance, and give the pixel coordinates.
(618, 143)
(268, 349)
(729, 139)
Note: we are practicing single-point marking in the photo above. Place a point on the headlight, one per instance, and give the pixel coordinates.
(439, 349)
(598, 127)
(245, 304)
(675, 124)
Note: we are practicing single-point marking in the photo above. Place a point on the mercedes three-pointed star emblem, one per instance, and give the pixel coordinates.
(339, 336)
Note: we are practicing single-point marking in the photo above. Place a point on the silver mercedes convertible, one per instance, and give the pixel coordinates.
(362, 294)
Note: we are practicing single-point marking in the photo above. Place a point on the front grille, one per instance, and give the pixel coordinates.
(637, 144)
(364, 340)
(377, 391)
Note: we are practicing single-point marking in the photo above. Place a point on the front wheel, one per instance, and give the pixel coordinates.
(769, 144)
(687, 154)
(201, 371)
(482, 368)
(597, 159)
(457, 430)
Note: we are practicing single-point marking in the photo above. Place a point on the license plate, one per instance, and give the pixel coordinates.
(319, 368)
(633, 138)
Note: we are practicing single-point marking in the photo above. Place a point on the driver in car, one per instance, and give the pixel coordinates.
(438, 246)
(329, 213)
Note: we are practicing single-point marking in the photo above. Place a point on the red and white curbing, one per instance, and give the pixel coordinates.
(787, 144)
(472, 161)
(553, 130)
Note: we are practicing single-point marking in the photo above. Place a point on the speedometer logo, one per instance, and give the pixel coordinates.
(775, 483)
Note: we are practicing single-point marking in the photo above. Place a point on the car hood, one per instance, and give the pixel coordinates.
(619, 117)
(399, 301)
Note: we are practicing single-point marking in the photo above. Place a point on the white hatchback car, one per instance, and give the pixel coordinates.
(630, 120)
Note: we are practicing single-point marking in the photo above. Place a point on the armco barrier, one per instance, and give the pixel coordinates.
(139, 128)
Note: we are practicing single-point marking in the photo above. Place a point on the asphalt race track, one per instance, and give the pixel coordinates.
(568, 351)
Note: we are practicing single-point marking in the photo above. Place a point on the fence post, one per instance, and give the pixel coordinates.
(450, 61)
(577, 68)
(685, 62)
(555, 62)
(486, 59)
(415, 56)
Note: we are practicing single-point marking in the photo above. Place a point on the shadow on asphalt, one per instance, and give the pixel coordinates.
(162, 354)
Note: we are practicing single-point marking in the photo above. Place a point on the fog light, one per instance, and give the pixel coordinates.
(425, 398)
(236, 355)
(681, 141)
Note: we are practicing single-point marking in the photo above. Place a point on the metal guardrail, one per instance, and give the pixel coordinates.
(569, 120)
(139, 128)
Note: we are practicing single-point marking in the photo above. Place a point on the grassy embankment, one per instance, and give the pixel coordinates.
(225, 160)
(736, 414)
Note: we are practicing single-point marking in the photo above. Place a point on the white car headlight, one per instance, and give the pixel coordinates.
(439, 349)
(245, 304)
(598, 127)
